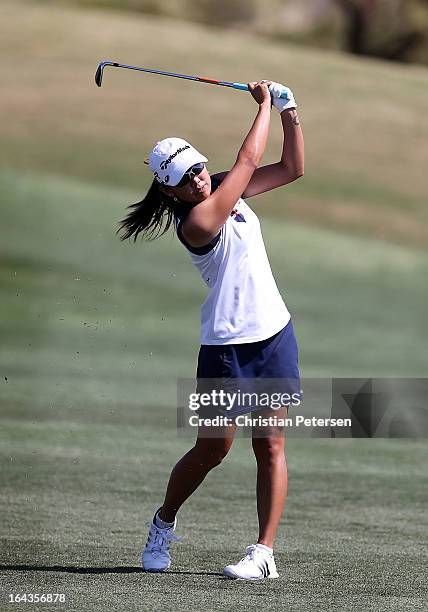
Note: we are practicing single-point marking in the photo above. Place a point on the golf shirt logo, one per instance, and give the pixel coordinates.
(237, 216)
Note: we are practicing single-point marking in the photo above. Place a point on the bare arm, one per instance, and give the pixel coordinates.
(291, 165)
(206, 219)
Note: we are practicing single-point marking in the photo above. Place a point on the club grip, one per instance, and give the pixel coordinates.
(245, 88)
(240, 86)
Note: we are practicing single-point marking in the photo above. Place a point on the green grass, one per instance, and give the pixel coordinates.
(94, 335)
(81, 306)
(76, 494)
(94, 332)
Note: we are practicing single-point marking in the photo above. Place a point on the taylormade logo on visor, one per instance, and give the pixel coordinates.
(164, 164)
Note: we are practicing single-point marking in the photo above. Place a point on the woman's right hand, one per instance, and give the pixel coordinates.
(260, 91)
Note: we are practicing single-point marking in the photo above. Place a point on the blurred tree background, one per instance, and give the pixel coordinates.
(394, 30)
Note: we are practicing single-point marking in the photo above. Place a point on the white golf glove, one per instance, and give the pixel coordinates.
(281, 104)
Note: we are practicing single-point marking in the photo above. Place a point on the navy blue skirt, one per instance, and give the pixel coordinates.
(266, 367)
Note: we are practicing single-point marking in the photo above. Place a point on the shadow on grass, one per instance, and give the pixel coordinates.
(95, 570)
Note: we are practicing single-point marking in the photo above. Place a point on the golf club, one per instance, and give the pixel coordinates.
(102, 65)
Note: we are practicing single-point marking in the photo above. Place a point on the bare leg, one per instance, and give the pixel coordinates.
(192, 468)
(272, 478)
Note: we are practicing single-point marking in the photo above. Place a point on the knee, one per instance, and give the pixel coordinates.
(269, 449)
(211, 454)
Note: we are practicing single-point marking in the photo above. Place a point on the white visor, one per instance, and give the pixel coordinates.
(171, 158)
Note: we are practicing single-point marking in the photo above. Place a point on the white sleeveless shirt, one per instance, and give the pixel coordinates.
(243, 304)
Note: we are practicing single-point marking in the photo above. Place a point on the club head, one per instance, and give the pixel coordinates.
(100, 71)
(99, 75)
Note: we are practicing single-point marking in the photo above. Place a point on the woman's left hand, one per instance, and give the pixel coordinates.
(281, 104)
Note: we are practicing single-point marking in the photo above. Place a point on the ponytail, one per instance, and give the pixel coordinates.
(152, 216)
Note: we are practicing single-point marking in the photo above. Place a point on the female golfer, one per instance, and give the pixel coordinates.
(246, 332)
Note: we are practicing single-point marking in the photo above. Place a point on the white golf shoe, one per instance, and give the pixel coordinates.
(155, 556)
(257, 564)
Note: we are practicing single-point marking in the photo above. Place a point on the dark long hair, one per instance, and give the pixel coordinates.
(151, 217)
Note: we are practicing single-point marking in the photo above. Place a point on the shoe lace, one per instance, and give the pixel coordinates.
(162, 538)
(249, 557)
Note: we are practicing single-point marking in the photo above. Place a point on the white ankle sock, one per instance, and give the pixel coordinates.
(265, 548)
(162, 524)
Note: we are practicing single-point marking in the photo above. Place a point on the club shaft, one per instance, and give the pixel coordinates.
(98, 78)
(153, 71)
(181, 76)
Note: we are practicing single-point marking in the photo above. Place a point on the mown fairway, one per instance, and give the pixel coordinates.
(94, 332)
(94, 335)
